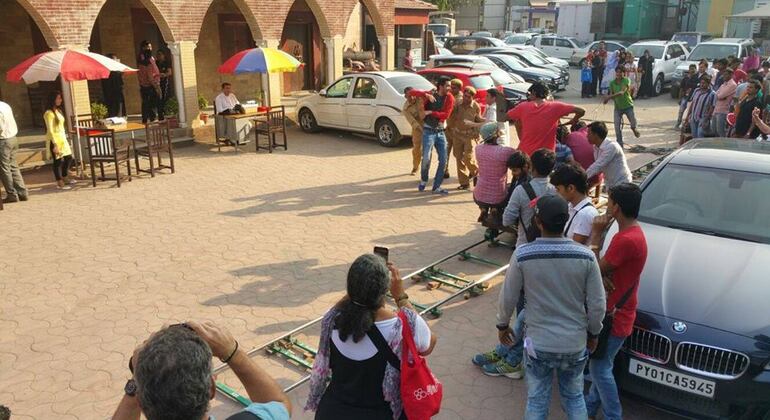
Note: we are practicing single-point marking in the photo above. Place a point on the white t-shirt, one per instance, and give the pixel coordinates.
(365, 349)
(581, 219)
(224, 102)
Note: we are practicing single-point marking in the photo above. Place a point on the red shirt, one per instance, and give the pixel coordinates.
(538, 124)
(444, 112)
(627, 253)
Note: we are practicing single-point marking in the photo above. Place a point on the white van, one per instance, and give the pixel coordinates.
(557, 46)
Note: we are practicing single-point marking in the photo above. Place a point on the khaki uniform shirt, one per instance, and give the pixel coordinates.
(470, 112)
(413, 112)
(454, 123)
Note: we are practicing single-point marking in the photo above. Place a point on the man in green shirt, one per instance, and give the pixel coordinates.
(620, 91)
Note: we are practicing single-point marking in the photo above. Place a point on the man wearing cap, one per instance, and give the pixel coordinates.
(452, 123)
(565, 308)
(467, 117)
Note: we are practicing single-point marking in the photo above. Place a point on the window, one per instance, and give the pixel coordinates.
(234, 35)
(675, 51)
(563, 43)
(482, 82)
(615, 17)
(546, 42)
(339, 89)
(468, 45)
(366, 88)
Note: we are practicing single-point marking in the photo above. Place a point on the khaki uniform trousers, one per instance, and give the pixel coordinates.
(463, 152)
(416, 148)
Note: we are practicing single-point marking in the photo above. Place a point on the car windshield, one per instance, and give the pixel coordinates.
(502, 77)
(414, 81)
(656, 51)
(482, 82)
(511, 61)
(690, 39)
(712, 52)
(682, 197)
(439, 29)
(532, 58)
(517, 39)
(579, 43)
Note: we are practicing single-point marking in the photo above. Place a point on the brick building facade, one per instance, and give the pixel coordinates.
(198, 34)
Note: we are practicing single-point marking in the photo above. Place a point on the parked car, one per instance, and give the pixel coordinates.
(579, 56)
(483, 33)
(562, 64)
(440, 30)
(513, 91)
(368, 102)
(692, 39)
(701, 342)
(529, 58)
(711, 50)
(466, 44)
(556, 46)
(518, 39)
(513, 65)
(667, 54)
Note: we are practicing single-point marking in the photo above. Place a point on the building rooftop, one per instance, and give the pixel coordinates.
(415, 4)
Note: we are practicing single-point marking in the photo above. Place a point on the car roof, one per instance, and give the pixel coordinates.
(455, 70)
(725, 153)
(384, 74)
(656, 42)
(729, 41)
(466, 57)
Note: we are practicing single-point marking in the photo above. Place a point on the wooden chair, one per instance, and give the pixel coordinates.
(101, 147)
(224, 140)
(157, 141)
(273, 123)
(84, 121)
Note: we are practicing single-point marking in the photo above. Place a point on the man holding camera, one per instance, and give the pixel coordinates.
(172, 377)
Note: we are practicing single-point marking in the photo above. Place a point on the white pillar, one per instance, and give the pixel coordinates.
(724, 30)
(178, 75)
(330, 74)
(384, 51)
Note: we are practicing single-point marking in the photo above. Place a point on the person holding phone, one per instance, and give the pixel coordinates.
(352, 378)
(171, 376)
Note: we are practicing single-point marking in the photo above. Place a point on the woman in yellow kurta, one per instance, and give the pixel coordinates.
(56, 141)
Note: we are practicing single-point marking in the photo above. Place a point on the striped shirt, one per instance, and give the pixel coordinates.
(702, 100)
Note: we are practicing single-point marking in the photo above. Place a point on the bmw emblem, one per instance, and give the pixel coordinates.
(679, 327)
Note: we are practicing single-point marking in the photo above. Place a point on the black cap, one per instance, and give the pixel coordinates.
(552, 210)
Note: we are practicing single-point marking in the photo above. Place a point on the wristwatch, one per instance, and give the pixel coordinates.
(130, 388)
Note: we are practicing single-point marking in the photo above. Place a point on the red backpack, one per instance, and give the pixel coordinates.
(421, 392)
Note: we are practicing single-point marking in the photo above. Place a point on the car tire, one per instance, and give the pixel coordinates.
(674, 92)
(658, 85)
(307, 121)
(387, 133)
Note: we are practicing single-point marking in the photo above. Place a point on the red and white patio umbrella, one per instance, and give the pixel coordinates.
(71, 65)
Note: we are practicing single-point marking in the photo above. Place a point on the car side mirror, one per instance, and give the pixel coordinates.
(667, 57)
(322, 92)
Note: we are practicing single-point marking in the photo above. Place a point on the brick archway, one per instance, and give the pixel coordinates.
(320, 17)
(157, 15)
(376, 16)
(246, 11)
(42, 24)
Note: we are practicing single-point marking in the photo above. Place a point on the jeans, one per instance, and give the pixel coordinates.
(604, 391)
(628, 112)
(719, 124)
(432, 137)
(10, 175)
(514, 354)
(569, 371)
(696, 125)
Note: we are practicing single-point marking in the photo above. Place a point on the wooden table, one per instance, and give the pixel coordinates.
(248, 114)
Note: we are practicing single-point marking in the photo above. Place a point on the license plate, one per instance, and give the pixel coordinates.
(672, 379)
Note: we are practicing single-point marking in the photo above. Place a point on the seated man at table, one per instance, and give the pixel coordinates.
(236, 130)
(226, 103)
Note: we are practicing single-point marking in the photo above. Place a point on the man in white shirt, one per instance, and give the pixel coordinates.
(226, 101)
(10, 175)
(571, 183)
(610, 159)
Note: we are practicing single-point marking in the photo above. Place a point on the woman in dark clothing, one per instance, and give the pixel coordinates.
(166, 74)
(358, 336)
(744, 126)
(646, 63)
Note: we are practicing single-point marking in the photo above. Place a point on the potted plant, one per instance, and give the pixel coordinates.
(203, 103)
(98, 111)
(172, 112)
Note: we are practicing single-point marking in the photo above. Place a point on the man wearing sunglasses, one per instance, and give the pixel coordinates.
(172, 377)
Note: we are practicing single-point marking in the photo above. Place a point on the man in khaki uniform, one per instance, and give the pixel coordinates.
(414, 112)
(452, 124)
(466, 137)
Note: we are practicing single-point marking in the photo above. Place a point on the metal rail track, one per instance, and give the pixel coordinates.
(302, 354)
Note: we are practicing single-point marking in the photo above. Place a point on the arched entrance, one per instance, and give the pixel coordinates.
(224, 32)
(302, 38)
(21, 38)
(362, 34)
(138, 21)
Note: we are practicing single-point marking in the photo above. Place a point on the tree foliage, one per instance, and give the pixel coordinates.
(452, 5)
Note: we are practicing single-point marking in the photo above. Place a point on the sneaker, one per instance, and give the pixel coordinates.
(487, 358)
(11, 199)
(64, 187)
(636, 132)
(502, 368)
(72, 182)
(441, 191)
(421, 187)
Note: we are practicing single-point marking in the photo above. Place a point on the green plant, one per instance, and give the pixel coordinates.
(203, 103)
(98, 110)
(172, 107)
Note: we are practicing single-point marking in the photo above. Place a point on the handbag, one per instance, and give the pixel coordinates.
(604, 334)
(421, 392)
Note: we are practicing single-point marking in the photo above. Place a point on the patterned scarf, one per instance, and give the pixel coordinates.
(321, 373)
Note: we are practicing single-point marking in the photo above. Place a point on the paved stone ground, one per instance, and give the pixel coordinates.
(259, 243)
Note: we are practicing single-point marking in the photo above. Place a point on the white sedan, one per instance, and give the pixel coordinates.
(369, 102)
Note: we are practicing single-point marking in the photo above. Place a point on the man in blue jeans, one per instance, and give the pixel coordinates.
(564, 310)
(621, 266)
(621, 93)
(438, 108)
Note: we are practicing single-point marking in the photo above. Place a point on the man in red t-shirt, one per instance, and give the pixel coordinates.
(621, 267)
(537, 119)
